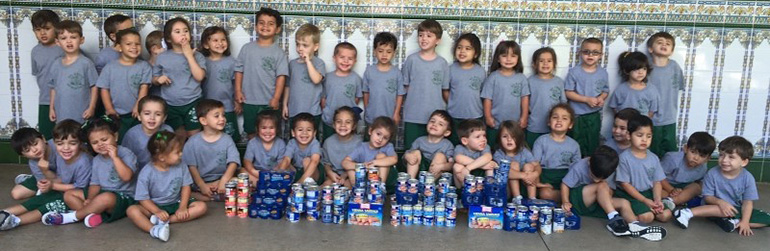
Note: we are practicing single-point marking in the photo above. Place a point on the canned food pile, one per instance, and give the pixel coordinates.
(367, 198)
(237, 193)
(478, 191)
(326, 204)
(533, 215)
(270, 198)
(423, 202)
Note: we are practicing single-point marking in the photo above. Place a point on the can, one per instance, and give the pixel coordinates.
(298, 195)
(440, 215)
(327, 193)
(326, 206)
(358, 195)
(407, 215)
(443, 186)
(479, 184)
(360, 179)
(429, 179)
(417, 211)
(311, 205)
(292, 216)
(326, 217)
(451, 200)
(546, 220)
(451, 222)
(402, 184)
(510, 217)
(413, 186)
(231, 201)
(421, 176)
(372, 174)
(452, 189)
(534, 219)
(230, 188)
(243, 201)
(311, 193)
(339, 198)
(451, 213)
(522, 219)
(312, 215)
(428, 215)
(335, 186)
(243, 211)
(559, 220)
(429, 191)
(243, 180)
(230, 211)
(395, 216)
(470, 184)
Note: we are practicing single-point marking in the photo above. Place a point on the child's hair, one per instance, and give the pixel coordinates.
(150, 99)
(206, 35)
(43, 17)
(627, 113)
(637, 122)
(512, 127)
(309, 30)
(111, 23)
(661, 34)
(24, 138)
(502, 48)
(69, 26)
(153, 39)
(591, 40)
(385, 38)
(702, 143)
(386, 123)
(354, 114)
(119, 36)
(432, 26)
(468, 126)
(163, 142)
(475, 43)
(738, 145)
(168, 28)
(270, 115)
(66, 128)
(564, 106)
(631, 61)
(207, 105)
(603, 162)
(444, 115)
(269, 12)
(307, 117)
(109, 123)
(536, 57)
(344, 45)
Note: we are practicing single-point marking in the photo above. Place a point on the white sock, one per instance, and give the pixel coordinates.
(612, 214)
(69, 217)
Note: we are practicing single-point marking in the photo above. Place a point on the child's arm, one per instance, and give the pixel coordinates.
(280, 83)
(311, 167)
(51, 110)
(397, 111)
(124, 172)
(602, 97)
(93, 190)
(657, 196)
(524, 112)
(249, 166)
(143, 91)
(348, 163)
(323, 102)
(631, 190)
(726, 208)
(744, 228)
(239, 87)
(445, 95)
(231, 168)
(198, 72)
(284, 163)
(315, 76)
(92, 105)
(205, 190)
(182, 213)
(667, 187)
(387, 161)
(473, 164)
(574, 96)
(286, 102)
(490, 120)
(154, 209)
(565, 204)
(61, 187)
(107, 102)
(366, 100)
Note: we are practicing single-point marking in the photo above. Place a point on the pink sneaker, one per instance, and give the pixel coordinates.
(93, 220)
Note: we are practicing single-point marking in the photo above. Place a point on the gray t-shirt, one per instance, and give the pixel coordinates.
(123, 82)
(523, 157)
(218, 84)
(428, 149)
(640, 173)
(261, 158)
(734, 191)
(506, 93)
(136, 140)
(340, 91)
(35, 168)
(73, 87)
(614, 145)
(42, 57)
(103, 172)
(78, 173)
(383, 89)
(304, 96)
(261, 66)
(580, 175)
(211, 158)
(105, 57)
(363, 153)
(184, 89)
(544, 94)
(461, 150)
(645, 100)
(586, 84)
(425, 80)
(556, 155)
(297, 154)
(162, 188)
(668, 80)
(465, 91)
(334, 150)
(676, 169)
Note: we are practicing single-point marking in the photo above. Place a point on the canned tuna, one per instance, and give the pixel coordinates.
(418, 213)
(407, 215)
(558, 220)
(372, 174)
(546, 220)
(428, 215)
(534, 218)
(230, 211)
(312, 215)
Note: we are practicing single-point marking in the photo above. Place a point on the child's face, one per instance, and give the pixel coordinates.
(101, 139)
(130, 46)
(46, 34)
(36, 150)
(303, 132)
(507, 141)
(638, 75)
(215, 119)
(267, 130)
(730, 162)
(217, 43)
(267, 26)
(476, 141)
(620, 130)
(68, 148)
(694, 158)
(438, 127)
(427, 40)
(344, 124)
(560, 121)
(464, 52)
(590, 53)
(345, 59)
(508, 60)
(641, 138)
(69, 42)
(180, 34)
(306, 47)
(662, 47)
(156, 50)
(384, 53)
(152, 116)
(378, 137)
(545, 63)
(128, 24)
(174, 157)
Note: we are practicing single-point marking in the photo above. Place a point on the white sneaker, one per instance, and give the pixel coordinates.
(650, 233)
(682, 218)
(668, 203)
(21, 178)
(161, 232)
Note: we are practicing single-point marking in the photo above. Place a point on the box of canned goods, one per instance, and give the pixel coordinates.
(365, 214)
(485, 217)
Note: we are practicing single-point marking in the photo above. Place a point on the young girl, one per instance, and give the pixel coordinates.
(152, 114)
(506, 90)
(163, 189)
(556, 151)
(303, 152)
(339, 145)
(265, 151)
(179, 71)
(465, 79)
(634, 68)
(523, 164)
(546, 90)
(124, 81)
(220, 71)
(378, 152)
(112, 185)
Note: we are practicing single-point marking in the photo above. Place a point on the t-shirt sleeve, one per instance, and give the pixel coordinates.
(488, 88)
(709, 185)
(142, 185)
(615, 98)
(320, 67)
(450, 151)
(83, 175)
(459, 150)
(655, 104)
(91, 75)
(130, 160)
(572, 177)
(95, 172)
(359, 87)
(401, 81)
(667, 164)
(147, 74)
(188, 153)
(576, 153)
(750, 192)
(445, 69)
(315, 148)
(357, 153)
(325, 158)
(250, 149)
(623, 173)
(365, 80)
(104, 79)
(389, 150)
(525, 91)
(406, 70)
(157, 69)
(290, 149)
(240, 59)
(538, 151)
(527, 157)
(233, 156)
(679, 77)
(603, 82)
(201, 60)
(570, 83)
(186, 177)
(282, 67)
(658, 175)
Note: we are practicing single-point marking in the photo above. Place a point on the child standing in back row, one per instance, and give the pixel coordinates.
(506, 90)
(342, 87)
(546, 90)
(586, 87)
(112, 25)
(668, 78)
(466, 77)
(215, 45)
(383, 85)
(43, 54)
(634, 92)
(304, 90)
(73, 77)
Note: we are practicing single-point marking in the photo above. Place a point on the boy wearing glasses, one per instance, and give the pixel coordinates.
(586, 87)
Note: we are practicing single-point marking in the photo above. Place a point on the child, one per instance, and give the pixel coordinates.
(523, 164)
(261, 70)
(730, 192)
(473, 153)
(303, 152)
(506, 90)
(154, 45)
(590, 184)
(264, 152)
(179, 72)
(426, 76)
(152, 114)
(338, 146)
(40, 154)
(383, 85)
(546, 90)
(378, 152)
(307, 74)
(668, 78)
(211, 154)
(586, 87)
(635, 93)
(639, 174)
(621, 140)
(112, 25)
(433, 153)
(465, 79)
(215, 45)
(124, 81)
(163, 189)
(685, 170)
(43, 54)
(556, 151)
(112, 186)
(73, 169)
(73, 77)
(342, 87)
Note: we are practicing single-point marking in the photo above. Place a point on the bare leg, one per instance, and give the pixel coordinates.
(514, 176)
(665, 216)
(646, 217)
(20, 192)
(196, 210)
(624, 207)
(548, 193)
(140, 216)
(459, 172)
(689, 192)
(101, 203)
(412, 160)
(75, 199)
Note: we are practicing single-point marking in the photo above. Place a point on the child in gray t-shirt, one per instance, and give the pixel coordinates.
(685, 169)
(30, 144)
(433, 153)
(383, 84)
(306, 75)
(644, 100)
(212, 162)
(73, 89)
(220, 72)
(342, 87)
(303, 152)
(378, 152)
(522, 163)
(339, 145)
(546, 90)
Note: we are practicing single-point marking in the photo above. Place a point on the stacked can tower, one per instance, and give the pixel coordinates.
(231, 198)
(270, 198)
(325, 204)
(424, 201)
(243, 194)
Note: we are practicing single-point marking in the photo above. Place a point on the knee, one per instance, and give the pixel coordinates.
(457, 168)
(133, 210)
(413, 157)
(199, 205)
(515, 166)
(440, 157)
(306, 162)
(646, 217)
(380, 156)
(18, 193)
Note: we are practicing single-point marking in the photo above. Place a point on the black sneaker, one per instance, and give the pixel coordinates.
(618, 227)
(650, 233)
(726, 224)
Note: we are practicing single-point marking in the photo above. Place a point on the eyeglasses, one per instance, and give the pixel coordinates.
(591, 53)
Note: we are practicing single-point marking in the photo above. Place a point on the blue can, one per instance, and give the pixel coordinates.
(428, 215)
(440, 215)
(451, 222)
(522, 219)
(313, 215)
(253, 210)
(326, 206)
(573, 221)
(407, 215)
(326, 217)
(312, 205)
(361, 176)
(421, 176)
(510, 217)
(559, 220)
(417, 211)
(292, 217)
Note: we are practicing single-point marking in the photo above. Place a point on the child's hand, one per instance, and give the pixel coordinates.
(675, 192)
(86, 202)
(523, 123)
(44, 186)
(43, 163)
(307, 57)
(744, 228)
(285, 113)
(658, 207)
(88, 113)
(135, 111)
(566, 206)
(112, 151)
(163, 80)
(490, 121)
(186, 48)
(274, 103)
(221, 188)
(726, 209)
(530, 179)
(238, 108)
(334, 177)
(111, 112)
(163, 215)
(396, 118)
(649, 203)
(601, 102)
(182, 214)
(490, 166)
(51, 114)
(239, 98)
(206, 191)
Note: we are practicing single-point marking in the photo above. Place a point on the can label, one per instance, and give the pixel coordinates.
(546, 220)
(534, 218)
(558, 220)
(292, 217)
(312, 215)
(451, 222)
(230, 211)
(243, 211)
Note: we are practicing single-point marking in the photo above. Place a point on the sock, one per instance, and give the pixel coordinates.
(69, 217)
(686, 213)
(15, 221)
(612, 214)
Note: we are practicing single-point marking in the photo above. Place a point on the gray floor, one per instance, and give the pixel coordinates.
(216, 232)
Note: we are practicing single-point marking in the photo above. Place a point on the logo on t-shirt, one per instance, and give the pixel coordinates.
(599, 86)
(555, 94)
(643, 105)
(268, 64)
(516, 89)
(392, 85)
(650, 170)
(566, 158)
(136, 81)
(350, 90)
(224, 76)
(476, 83)
(76, 81)
(113, 178)
(438, 77)
(176, 185)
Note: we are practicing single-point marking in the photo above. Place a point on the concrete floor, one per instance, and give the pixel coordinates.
(216, 232)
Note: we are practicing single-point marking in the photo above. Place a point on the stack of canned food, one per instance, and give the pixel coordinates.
(333, 201)
(243, 193)
(270, 198)
(488, 191)
(423, 202)
(534, 215)
(305, 199)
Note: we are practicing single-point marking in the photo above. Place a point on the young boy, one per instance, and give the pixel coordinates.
(426, 76)
(383, 85)
(307, 74)
(620, 140)
(153, 43)
(261, 70)
(112, 25)
(473, 153)
(433, 153)
(639, 174)
(685, 170)
(73, 77)
(342, 87)
(43, 54)
(668, 78)
(730, 192)
(586, 87)
(589, 184)
(29, 143)
(303, 152)
(211, 154)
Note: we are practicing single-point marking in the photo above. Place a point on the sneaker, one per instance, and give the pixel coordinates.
(161, 232)
(650, 233)
(9, 221)
(93, 220)
(727, 224)
(4, 216)
(618, 227)
(21, 178)
(682, 218)
(52, 218)
(668, 203)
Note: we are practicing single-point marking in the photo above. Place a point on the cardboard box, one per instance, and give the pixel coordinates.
(365, 214)
(485, 217)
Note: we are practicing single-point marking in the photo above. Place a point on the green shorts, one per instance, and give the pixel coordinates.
(327, 131)
(44, 123)
(586, 132)
(531, 137)
(492, 137)
(576, 198)
(412, 131)
(173, 207)
(30, 183)
(183, 116)
(126, 122)
(553, 177)
(250, 113)
(231, 126)
(52, 201)
(424, 163)
(637, 206)
(321, 174)
(664, 139)
(122, 202)
(758, 216)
